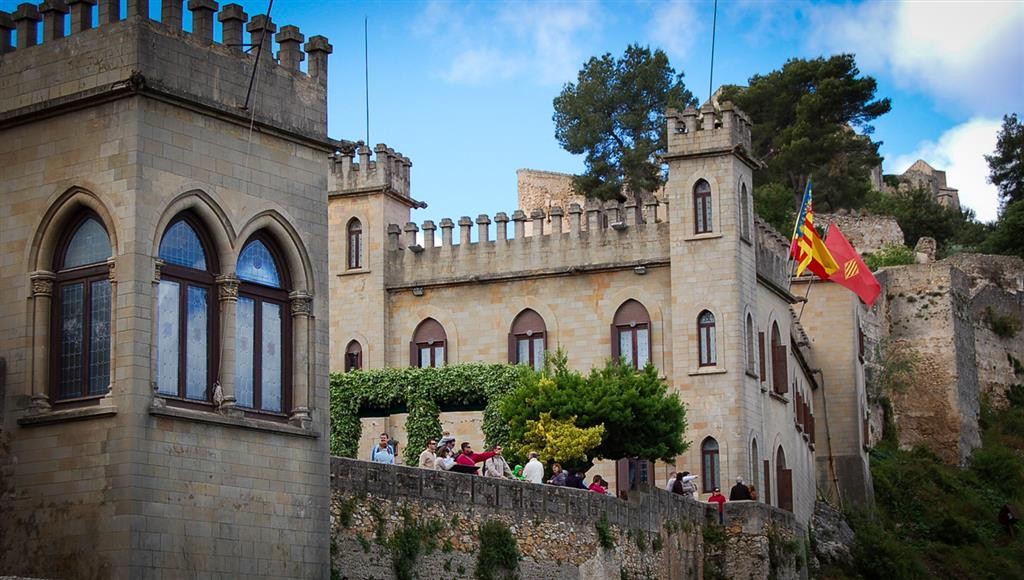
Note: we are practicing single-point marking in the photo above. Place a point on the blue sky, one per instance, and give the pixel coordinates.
(464, 89)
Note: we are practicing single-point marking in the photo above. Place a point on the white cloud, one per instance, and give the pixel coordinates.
(497, 42)
(960, 152)
(672, 28)
(966, 54)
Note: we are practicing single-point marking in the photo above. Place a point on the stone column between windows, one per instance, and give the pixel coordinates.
(42, 297)
(302, 309)
(112, 277)
(227, 293)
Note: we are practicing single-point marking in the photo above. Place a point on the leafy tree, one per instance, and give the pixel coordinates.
(919, 215)
(1006, 238)
(1006, 164)
(559, 439)
(774, 203)
(640, 418)
(615, 114)
(804, 119)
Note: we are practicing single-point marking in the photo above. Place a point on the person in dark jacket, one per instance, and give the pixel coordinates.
(575, 479)
(739, 491)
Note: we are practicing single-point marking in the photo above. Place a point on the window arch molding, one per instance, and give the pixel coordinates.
(210, 215)
(745, 210)
(294, 255)
(615, 299)
(64, 209)
(631, 333)
(429, 344)
(451, 329)
(750, 347)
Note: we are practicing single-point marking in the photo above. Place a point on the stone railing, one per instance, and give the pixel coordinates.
(653, 534)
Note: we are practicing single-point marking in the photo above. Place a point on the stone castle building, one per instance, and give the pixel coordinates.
(696, 284)
(920, 175)
(163, 291)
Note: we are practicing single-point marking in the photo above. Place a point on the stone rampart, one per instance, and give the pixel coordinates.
(388, 171)
(708, 130)
(599, 237)
(772, 254)
(122, 57)
(867, 233)
(996, 352)
(655, 535)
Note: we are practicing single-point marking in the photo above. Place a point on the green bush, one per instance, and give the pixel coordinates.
(421, 392)
(498, 556)
(890, 255)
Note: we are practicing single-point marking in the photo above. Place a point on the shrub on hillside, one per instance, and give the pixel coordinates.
(890, 255)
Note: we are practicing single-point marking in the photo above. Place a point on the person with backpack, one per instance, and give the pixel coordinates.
(383, 452)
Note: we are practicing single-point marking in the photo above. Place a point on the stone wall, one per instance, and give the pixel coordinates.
(655, 535)
(867, 233)
(996, 353)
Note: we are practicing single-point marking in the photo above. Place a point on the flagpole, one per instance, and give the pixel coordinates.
(792, 237)
(810, 282)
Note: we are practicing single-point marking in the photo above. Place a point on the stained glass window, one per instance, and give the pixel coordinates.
(181, 246)
(256, 264)
(89, 245)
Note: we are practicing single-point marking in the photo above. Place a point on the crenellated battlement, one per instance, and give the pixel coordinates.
(709, 130)
(772, 254)
(388, 171)
(105, 54)
(596, 236)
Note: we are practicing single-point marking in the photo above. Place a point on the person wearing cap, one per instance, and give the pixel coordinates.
(718, 498)
(739, 491)
(534, 470)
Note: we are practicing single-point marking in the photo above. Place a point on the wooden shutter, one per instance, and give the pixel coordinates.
(786, 489)
(780, 374)
(615, 343)
(512, 350)
(761, 353)
(414, 351)
(767, 495)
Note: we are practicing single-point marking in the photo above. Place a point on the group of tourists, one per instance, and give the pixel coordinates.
(684, 484)
(441, 455)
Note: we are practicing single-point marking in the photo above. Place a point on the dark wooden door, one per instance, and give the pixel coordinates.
(786, 489)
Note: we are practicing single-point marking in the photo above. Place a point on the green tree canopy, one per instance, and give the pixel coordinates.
(804, 120)
(919, 215)
(1007, 162)
(615, 114)
(1006, 237)
(640, 418)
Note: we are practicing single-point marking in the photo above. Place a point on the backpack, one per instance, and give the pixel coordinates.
(376, 449)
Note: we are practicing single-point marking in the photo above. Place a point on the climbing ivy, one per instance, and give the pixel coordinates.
(421, 392)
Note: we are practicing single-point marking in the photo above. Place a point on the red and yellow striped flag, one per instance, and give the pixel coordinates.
(808, 248)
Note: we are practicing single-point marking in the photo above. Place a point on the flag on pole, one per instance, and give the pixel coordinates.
(852, 272)
(808, 248)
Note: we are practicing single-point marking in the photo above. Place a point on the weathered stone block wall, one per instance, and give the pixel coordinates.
(927, 309)
(867, 233)
(995, 354)
(656, 535)
(128, 487)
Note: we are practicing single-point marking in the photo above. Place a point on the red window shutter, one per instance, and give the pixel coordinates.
(760, 342)
(414, 359)
(812, 427)
(767, 482)
(780, 375)
(786, 489)
(615, 343)
(512, 351)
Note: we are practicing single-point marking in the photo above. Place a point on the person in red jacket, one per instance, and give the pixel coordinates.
(718, 498)
(467, 457)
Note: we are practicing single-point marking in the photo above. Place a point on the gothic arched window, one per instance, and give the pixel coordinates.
(82, 311)
(710, 464)
(702, 207)
(353, 356)
(355, 244)
(526, 341)
(631, 334)
(751, 351)
(263, 329)
(780, 372)
(186, 313)
(707, 340)
(427, 348)
(744, 212)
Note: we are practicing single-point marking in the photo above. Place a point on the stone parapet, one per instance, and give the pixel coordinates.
(124, 57)
(608, 242)
(772, 254)
(708, 131)
(387, 171)
(652, 534)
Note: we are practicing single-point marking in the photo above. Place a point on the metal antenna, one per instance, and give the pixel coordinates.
(366, 70)
(711, 75)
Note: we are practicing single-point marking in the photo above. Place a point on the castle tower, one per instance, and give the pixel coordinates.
(713, 285)
(163, 400)
(365, 197)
